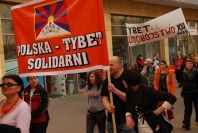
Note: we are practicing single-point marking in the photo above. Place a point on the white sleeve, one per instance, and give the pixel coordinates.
(24, 118)
(166, 105)
(144, 71)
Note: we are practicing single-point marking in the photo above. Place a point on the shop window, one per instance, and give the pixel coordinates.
(118, 20)
(7, 32)
(119, 30)
(131, 20)
(120, 48)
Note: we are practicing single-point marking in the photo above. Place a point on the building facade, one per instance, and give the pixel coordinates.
(116, 13)
(119, 12)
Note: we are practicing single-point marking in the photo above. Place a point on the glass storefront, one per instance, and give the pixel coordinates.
(120, 41)
(7, 32)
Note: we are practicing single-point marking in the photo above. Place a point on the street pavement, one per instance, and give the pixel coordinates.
(68, 115)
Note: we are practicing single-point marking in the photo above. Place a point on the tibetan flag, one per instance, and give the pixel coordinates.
(51, 20)
(60, 37)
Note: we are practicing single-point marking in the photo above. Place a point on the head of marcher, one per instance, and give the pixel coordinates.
(148, 62)
(131, 79)
(33, 81)
(115, 66)
(12, 85)
(162, 64)
(189, 63)
(94, 79)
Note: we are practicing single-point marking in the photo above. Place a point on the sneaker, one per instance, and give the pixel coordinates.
(186, 127)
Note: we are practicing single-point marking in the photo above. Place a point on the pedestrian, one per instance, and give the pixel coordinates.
(96, 112)
(178, 68)
(155, 58)
(142, 108)
(37, 98)
(190, 92)
(164, 81)
(119, 97)
(140, 63)
(148, 71)
(15, 114)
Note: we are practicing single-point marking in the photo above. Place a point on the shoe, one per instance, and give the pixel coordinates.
(186, 127)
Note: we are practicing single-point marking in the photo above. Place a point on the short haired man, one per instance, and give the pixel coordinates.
(119, 97)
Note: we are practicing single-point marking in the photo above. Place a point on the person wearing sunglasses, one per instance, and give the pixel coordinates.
(15, 114)
(37, 98)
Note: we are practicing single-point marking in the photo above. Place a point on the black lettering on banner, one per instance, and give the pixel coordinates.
(181, 28)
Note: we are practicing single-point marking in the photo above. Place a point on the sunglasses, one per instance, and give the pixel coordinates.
(8, 85)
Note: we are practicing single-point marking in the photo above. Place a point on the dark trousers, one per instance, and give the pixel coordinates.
(98, 118)
(189, 99)
(178, 74)
(40, 127)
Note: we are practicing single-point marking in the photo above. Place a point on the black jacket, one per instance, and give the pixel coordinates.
(147, 98)
(8, 129)
(190, 80)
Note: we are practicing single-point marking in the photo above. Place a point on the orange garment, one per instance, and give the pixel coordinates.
(170, 82)
(178, 63)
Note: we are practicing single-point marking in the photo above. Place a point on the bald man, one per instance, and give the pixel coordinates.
(119, 97)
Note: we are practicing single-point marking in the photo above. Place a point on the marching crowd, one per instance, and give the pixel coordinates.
(142, 98)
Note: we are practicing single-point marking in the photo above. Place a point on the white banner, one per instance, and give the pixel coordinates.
(168, 25)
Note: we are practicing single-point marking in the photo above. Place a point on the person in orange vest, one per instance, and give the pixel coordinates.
(164, 81)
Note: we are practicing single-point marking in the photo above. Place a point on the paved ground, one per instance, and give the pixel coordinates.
(68, 115)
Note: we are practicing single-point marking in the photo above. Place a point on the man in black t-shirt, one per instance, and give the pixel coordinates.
(119, 97)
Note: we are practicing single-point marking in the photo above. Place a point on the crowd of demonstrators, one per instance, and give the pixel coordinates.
(164, 81)
(119, 97)
(140, 63)
(178, 68)
(190, 92)
(142, 104)
(149, 70)
(96, 112)
(37, 98)
(15, 114)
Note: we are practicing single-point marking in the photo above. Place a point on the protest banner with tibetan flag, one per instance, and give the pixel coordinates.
(168, 25)
(60, 37)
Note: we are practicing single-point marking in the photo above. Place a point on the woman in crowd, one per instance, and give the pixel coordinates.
(15, 114)
(164, 81)
(190, 92)
(96, 111)
(37, 98)
(178, 68)
(142, 101)
(140, 63)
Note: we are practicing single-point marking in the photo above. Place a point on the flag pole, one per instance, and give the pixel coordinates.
(132, 59)
(111, 102)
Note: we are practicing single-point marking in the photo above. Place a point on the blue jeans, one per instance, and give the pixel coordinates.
(120, 127)
(98, 118)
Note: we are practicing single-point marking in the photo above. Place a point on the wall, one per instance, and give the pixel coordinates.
(2, 58)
